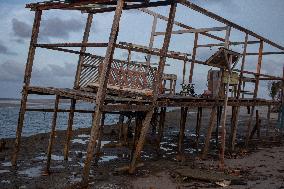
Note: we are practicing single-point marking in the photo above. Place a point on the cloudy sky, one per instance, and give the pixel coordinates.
(58, 69)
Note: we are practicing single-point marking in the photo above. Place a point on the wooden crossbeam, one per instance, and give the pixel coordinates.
(200, 30)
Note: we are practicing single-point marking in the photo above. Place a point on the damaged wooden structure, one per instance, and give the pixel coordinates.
(129, 87)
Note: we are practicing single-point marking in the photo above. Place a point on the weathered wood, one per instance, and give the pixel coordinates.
(199, 30)
(223, 123)
(209, 132)
(83, 50)
(147, 11)
(255, 91)
(183, 117)
(152, 38)
(233, 134)
(69, 129)
(198, 126)
(161, 126)
(146, 122)
(227, 22)
(102, 91)
(27, 78)
(52, 135)
(256, 128)
(231, 44)
(194, 51)
(268, 119)
(99, 145)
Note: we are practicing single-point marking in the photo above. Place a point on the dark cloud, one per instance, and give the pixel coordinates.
(51, 28)
(21, 29)
(51, 75)
(59, 28)
(5, 50)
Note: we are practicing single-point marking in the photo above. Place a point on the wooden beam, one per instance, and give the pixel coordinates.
(266, 53)
(147, 11)
(227, 22)
(152, 38)
(158, 80)
(200, 30)
(231, 44)
(194, 51)
(101, 94)
(27, 79)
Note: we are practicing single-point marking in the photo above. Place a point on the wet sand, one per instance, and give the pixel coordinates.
(261, 166)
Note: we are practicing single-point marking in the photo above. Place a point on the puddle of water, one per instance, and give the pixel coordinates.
(165, 149)
(4, 171)
(53, 157)
(107, 158)
(84, 136)
(6, 181)
(80, 141)
(31, 172)
(7, 164)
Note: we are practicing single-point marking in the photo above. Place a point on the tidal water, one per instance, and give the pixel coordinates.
(40, 122)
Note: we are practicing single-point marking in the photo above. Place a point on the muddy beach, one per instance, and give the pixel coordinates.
(260, 166)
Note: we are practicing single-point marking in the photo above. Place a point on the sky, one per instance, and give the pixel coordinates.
(58, 69)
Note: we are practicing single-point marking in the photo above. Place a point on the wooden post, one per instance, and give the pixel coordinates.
(219, 116)
(193, 57)
(268, 119)
(183, 116)
(161, 126)
(102, 91)
(100, 135)
(224, 117)
(183, 71)
(120, 126)
(27, 78)
(52, 135)
(158, 80)
(209, 132)
(260, 51)
(198, 126)
(236, 113)
(77, 85)
(152, 38)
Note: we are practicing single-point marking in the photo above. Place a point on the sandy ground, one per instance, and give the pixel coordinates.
(261, 166)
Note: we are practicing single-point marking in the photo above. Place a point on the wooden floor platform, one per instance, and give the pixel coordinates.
(116, 103)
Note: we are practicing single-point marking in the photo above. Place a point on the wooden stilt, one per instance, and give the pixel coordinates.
(99, 144)
(27, 78)
(138, 127)
(209, 132)
(77, 85)
(161, 127)
(268, 120)
(120, 126)
(223, 123)
(234, 127)
(198, 126)
(256, 128)
(219, 116)
(260, 52)
(157, 87)
(52, 135)
(183, 116)
(102, 91)
(154, 121)
(194, 51)
(69, 129)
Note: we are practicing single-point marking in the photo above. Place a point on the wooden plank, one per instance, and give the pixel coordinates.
(199, 30)
(147, 11)
(52, 135)
(102, 92)
(227, 22)
(27, 78)
(159, 74)
(152, 38)
(194, 51)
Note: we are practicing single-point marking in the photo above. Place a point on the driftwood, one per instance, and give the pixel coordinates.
(208, 176)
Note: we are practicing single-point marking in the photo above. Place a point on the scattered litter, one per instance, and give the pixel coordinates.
(223, 183)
